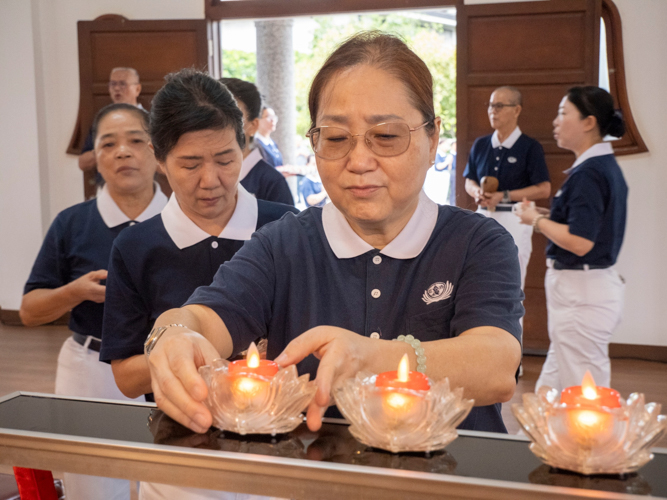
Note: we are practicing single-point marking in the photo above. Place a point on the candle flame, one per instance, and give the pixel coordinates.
(403, 369)
(588, 387)
(253, 356)
(588, 418)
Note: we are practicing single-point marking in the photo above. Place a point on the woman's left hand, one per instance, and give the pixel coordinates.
(526, 212)
(342, 353)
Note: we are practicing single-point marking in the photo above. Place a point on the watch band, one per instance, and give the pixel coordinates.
(155, 335)
(506, 196)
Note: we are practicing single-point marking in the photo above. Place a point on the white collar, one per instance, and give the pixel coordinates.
(249, 162)
(507, 143)
(409, 243)
(185, 233)
(599, 149)
(113, 216)
(263, 138)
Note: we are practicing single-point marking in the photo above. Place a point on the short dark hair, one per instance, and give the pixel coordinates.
(191, 101)
(386, 52)
(597, 102)
(141, 113)
(247, 93)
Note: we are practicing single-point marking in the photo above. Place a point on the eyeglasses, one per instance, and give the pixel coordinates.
(121, 85)
(498, 106)
(384, 139)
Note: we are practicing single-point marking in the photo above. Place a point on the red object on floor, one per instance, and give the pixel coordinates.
(35, 484)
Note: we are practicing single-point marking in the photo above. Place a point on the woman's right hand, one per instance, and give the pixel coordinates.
(88, 286)
(178, 387)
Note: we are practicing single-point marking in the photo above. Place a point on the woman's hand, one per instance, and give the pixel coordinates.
(88, 286)
(178, 388)
(342, 354)
(527, 211)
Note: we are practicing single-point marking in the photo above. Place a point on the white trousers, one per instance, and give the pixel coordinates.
(81, 373)
(154, 491)
(584, 307)
(522, 234)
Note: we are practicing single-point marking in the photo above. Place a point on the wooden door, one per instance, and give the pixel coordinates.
(153, 48)
(542, 48)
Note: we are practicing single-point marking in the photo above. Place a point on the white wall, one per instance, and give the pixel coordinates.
(39, 98)
(20, 199)
(643, 260)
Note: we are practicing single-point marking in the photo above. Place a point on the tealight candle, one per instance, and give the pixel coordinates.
(589, 419)
(251, 377)
(396, 401)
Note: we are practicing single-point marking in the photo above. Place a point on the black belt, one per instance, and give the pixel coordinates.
(577, 267)
(94, 345)
(499, 209)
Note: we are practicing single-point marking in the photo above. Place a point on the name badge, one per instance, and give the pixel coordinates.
(560, 191)
(511, 159)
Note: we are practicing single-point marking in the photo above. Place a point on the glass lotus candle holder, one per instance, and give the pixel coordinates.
(256, 400)
(586, 439)
(399, 419)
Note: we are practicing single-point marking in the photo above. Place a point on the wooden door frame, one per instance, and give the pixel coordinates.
(217, 10)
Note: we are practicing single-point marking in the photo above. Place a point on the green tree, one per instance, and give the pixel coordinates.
(427, 39)
(239, 64)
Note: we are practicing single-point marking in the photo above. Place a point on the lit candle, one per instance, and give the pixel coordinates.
(397, 402)
(251, 377)
(588, 416)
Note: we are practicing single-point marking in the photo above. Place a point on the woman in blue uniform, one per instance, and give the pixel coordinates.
(70, 270)
(340, 282)
(198, 137)
(585, 229)
(257, 176)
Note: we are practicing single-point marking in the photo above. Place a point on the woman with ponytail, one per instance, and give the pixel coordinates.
(585, 229)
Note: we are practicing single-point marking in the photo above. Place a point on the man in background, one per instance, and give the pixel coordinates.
(124, 87)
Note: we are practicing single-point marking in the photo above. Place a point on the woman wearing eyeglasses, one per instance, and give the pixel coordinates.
(332, 286)
(585, 228)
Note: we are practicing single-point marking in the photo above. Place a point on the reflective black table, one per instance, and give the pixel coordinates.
(139, 442)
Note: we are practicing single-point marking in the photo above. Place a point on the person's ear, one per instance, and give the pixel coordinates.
(590, 123)
(252, 126)
(138, 89)
(435, 138)
(517, 110)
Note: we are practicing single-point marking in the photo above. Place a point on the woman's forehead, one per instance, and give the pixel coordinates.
(364, 92)
(121, 120)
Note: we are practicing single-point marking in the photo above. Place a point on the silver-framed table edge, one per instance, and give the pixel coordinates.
(257, 474)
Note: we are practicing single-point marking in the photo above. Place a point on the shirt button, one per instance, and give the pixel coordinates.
(497, 157)
(375, 293)
(496, 168)
(377, 259)
(214, 244)
(375, 335)
(132, 223)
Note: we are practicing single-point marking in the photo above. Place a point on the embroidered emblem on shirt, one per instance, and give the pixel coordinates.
(437, 292)
(511, 159)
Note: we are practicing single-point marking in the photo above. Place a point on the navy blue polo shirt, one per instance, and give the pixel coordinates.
(265, 182)
(288, 279)
(308, 187)
(79, 241)
(593, 203)
(270, 152)
(517, 167)
(150, 273)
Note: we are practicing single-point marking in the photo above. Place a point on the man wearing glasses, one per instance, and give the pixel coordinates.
(124, 87)
(517, 161)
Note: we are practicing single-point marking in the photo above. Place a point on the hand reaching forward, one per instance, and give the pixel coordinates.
(178, 388)
(342, 354)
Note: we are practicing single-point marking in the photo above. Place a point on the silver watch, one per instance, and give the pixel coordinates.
(155, 335)
(506, 196)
